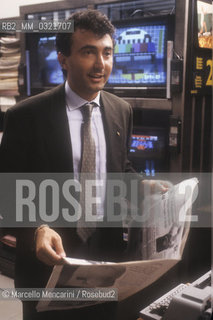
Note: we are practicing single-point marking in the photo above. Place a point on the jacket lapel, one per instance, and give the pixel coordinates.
(58, 135)
(113, 133)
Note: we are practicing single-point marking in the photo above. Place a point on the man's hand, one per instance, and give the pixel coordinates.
(49, 247)
(155, 186)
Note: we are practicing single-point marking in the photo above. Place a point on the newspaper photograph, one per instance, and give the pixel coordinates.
(158, 244)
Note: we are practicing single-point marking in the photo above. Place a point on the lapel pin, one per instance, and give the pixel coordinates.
(118, 133)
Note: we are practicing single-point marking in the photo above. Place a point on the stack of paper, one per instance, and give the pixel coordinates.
(9, 62)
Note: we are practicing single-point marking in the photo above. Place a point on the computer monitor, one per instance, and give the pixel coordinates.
(43, 67)
(204, 22)
(140, 57)
(148, 150)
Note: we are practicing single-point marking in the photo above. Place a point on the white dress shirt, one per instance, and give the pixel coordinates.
(75, 118)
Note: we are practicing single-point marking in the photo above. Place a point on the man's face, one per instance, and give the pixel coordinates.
(89, 64)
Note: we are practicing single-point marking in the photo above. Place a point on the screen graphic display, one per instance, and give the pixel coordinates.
(139, 56)
(147, 145)
(148, 150)
(204, 19)
(50, 72)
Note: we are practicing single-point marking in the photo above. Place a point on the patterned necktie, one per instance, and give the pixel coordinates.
(88, 150)
(88, 171)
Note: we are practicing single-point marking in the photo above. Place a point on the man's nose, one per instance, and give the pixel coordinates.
(99, 62)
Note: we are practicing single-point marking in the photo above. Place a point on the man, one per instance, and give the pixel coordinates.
(87, 62)
(43, 134)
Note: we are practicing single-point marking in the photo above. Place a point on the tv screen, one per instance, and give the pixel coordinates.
(148, 149)
(140, 56)
(144, 145)
(45, 70)
(148, 145)
(50, 69)
(204, 20)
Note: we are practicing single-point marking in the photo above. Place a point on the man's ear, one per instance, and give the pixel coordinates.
(62, 60)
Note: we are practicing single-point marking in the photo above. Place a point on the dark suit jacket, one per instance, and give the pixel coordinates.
(37, 139)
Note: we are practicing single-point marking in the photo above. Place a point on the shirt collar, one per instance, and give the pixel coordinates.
(74, 101)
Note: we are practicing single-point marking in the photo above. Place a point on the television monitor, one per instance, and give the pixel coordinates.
(43, 67)
(148, 150)
(140, 57)
(204, 22)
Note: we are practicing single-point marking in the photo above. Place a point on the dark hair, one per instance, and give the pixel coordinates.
(92, 20)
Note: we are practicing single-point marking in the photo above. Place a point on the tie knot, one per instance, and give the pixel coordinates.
(87, 110)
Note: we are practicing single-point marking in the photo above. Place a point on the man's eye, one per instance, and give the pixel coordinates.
(88, 51)
(108, 53)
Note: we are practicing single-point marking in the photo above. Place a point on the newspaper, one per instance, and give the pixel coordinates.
(159, 247)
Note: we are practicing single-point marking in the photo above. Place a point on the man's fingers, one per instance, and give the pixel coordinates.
(49, 248)
(57, 244)
(49, 256)
(155, 186)
(166, 184)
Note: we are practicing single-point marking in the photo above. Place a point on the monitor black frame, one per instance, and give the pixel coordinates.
(144, 91)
